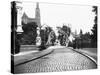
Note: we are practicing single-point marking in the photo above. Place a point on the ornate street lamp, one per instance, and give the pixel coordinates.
(19, 15)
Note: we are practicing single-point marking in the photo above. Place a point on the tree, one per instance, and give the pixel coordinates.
(94, 29)
(44, 33)
(78, 41)
(53, 37)
(64, 33)
(66, 29)
(81, 33)
(29, 35)
(95, 10)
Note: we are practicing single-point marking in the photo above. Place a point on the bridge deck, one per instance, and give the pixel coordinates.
(63, 59)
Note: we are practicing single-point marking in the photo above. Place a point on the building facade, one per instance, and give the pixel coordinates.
(26, 19)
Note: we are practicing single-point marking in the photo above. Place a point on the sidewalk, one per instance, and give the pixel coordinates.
(87, 54)
(29, 55)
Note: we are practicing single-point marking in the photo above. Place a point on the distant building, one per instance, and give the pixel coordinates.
(26, 19)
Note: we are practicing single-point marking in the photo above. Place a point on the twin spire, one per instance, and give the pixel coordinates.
(37, 6)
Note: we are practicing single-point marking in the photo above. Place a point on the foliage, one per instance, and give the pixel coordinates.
(94, 33)
(29, 34)
(95, 9)
(83, 41)
(44, 33)
(94, 29)
(87, 39)
(66, 29)
(64, 33)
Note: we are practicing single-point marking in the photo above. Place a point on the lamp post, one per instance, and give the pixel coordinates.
(19, 15)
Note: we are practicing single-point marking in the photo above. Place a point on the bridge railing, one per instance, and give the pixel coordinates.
(28, 48)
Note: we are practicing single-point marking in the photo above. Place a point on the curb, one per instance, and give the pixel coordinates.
(86, 55)
(33, 58)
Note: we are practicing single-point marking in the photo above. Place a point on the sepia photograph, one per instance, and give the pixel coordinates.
(53, 37)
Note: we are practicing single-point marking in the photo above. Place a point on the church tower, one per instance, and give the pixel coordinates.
(37, 15)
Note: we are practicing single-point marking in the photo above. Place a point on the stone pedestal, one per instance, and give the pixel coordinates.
(38, 38)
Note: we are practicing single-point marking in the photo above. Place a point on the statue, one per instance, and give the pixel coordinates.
(38, 38)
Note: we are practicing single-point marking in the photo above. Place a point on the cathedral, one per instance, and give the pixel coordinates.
(26, 19)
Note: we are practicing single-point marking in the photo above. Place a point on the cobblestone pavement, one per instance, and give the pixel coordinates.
(60, 60)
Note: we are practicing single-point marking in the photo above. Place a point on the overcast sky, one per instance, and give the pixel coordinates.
(78, 16)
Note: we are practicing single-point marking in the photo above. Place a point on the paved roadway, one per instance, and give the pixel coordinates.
(63, 59)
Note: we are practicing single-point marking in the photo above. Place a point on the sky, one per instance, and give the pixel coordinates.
(76, 16)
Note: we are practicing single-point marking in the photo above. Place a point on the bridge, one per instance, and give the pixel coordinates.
(61, 59)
